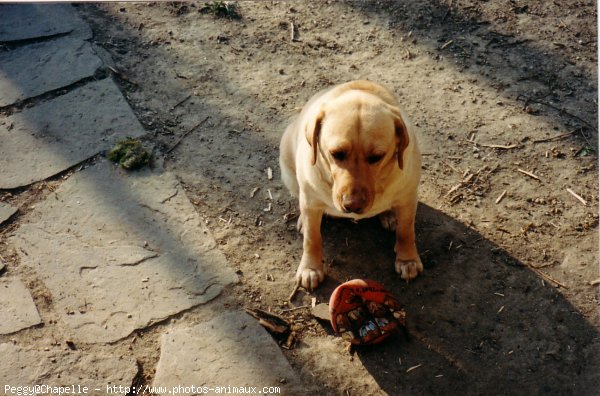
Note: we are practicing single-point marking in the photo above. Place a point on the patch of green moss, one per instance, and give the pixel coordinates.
(130, 154)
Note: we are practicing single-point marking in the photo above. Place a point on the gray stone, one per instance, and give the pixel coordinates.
(38, 68)
(34, 21)
(230, 350)
(17, 309)
(56, 367)
(49, 138)
(128, 250)
(6, 212)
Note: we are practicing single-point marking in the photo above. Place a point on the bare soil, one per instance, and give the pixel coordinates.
(505, 304)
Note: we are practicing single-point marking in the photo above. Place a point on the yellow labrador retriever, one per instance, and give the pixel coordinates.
(352, 153)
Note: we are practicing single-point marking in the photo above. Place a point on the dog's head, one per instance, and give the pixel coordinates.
(359, 138)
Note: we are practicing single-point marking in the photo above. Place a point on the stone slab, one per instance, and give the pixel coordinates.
(60, 368)
(35, 21)
(231, 350)
(119, 251)
(17, 309)
(6, 212)
(35, 69)
(51, 137)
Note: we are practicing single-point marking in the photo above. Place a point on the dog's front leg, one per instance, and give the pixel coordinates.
(408, 262)
(311, 271)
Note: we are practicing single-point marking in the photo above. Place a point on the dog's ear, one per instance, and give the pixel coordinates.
(313, 130)
(401, 135)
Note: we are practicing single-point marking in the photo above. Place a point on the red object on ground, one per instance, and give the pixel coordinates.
(364, 312)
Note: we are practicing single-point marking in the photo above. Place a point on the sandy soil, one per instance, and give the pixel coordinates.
(505, 304)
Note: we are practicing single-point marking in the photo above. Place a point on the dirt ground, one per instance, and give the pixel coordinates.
(505, 304)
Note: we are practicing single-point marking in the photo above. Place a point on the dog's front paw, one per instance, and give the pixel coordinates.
(409, 269)
(310, 274)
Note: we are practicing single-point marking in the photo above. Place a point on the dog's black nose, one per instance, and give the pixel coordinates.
(354, 203)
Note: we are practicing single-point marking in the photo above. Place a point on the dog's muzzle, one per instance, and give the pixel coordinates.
(355, 202)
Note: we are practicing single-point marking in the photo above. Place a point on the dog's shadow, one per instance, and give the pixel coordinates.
(479, 321)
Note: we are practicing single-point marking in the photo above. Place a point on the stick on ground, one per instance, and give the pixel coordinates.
(187, 133)
(294, 33)
(499, 146)
(548, 277)
(564, 135)
(573, 193)
(296, 308)
(296, 288)
(529, 174)
(500, 197)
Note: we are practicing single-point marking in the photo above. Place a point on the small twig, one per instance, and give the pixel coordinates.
(500, 197)
(456, 187)
(121, 76)
(447, 12)
(295, 308)
(560, 110)
(295, 35)
(499, 146)
(181, 102)
(451, 167)
(529, 174)
(436, 348)
(446, 44)
(595, 282)
(547, 277)
(408, 370)
(290, 216)
(573, 193)
(558, 137)
(187, 133)
(296, 288)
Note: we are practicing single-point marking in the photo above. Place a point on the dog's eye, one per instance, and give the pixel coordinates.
(339, 155)
(375, 158)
